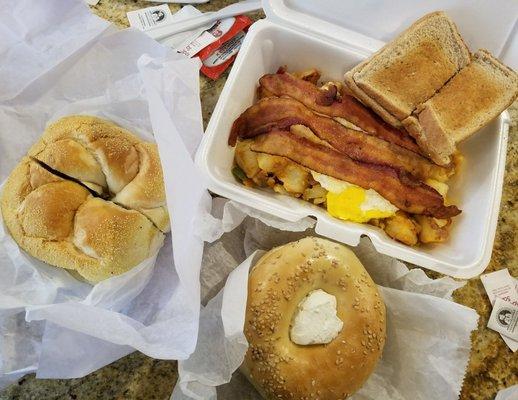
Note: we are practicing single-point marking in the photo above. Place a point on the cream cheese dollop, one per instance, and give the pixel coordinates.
(316, 321)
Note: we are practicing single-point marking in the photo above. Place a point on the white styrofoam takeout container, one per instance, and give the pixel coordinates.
(323, 34)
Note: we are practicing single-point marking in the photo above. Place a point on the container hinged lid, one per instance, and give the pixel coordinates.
(368, 24)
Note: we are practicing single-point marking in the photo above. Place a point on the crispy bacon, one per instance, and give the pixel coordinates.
(401, 189)
(281, 113)
(347, 107)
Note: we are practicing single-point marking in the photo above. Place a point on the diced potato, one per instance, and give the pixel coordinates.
(246, 159)
(433, 230)
(278, 188)
(249, 183)
(402, 228)
(293, 177)
(441, 223)
(315, 194)
(320, 201)
(271, 181)
(458, 162)
(338, 85)
(441, 187)
(262, 179)
(311, 75)
(377, 222)
(267, 170)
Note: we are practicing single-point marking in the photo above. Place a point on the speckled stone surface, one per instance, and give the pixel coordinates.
(492, 365)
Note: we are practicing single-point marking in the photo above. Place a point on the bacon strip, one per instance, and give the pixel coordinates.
(282, 112)
(324, 102)
(402, 190)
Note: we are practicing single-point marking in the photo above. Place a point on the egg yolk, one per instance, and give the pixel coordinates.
(346, 205)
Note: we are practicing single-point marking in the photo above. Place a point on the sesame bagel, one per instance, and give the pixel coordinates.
(89, 197)
(278, 283)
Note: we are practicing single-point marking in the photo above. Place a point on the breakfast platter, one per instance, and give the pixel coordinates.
(302, 52)
(307, 239)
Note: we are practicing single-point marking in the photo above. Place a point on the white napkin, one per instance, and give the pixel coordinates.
(428, 335)
(59, 59)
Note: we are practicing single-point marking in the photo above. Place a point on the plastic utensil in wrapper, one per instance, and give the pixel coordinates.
(198, 19)
(215, 41)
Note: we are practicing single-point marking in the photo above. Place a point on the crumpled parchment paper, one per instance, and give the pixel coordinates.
(59, 59)
(428, 335)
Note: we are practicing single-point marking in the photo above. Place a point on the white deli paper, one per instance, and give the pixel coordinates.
(428, 335)
(59, 59)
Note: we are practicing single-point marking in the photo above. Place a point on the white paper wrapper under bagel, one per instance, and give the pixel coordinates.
(428, 335)
(59, 59)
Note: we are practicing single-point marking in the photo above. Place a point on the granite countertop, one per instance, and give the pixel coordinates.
(492, 365)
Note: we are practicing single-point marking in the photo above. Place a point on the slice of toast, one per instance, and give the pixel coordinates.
(469, 101)
(410, 69)
(367, 101)
(437, 146)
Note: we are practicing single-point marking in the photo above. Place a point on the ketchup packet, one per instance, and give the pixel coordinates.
(218, 46)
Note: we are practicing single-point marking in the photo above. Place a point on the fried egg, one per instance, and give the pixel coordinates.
(353, 203)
